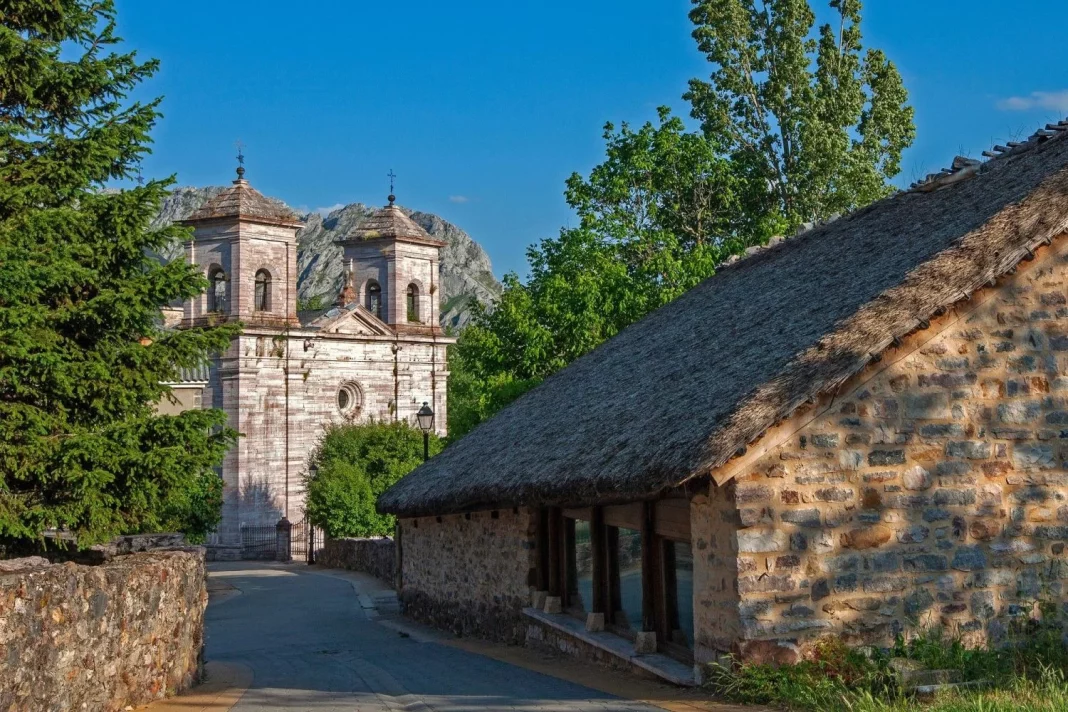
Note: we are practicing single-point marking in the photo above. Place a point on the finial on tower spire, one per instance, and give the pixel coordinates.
(392, 177)
(240, 160)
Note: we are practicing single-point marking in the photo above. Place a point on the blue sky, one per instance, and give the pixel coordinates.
(484, 108)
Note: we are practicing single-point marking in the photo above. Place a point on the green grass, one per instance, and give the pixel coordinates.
(1028, 675)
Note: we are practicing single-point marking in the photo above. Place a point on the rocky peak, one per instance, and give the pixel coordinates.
(466, 274)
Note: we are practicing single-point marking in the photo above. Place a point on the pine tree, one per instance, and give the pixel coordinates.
(83, 352)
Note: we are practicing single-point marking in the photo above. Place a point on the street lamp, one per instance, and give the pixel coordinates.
(425, 416)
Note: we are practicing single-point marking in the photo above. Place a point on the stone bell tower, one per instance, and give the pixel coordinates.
(391, 267)
(245, 244)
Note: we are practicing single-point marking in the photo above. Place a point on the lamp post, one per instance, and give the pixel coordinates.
(425, 416)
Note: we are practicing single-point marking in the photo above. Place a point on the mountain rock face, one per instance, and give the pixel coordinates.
(466, 274)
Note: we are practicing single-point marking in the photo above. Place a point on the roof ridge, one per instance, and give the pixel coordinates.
(963, 167)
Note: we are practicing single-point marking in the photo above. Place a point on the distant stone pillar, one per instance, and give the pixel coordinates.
(284, 531)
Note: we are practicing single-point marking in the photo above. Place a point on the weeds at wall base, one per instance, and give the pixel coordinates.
(1027, 674)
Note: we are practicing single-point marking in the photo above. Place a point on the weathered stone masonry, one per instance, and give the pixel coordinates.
(934, 493)
(377, 556)
(470, 573)
(101, 637)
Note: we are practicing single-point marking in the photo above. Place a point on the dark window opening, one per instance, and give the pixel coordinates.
(217, 291)
(374, 298)
(678, 589)
(626, 613)
(413, 303)
(637, 570)
(262, 300)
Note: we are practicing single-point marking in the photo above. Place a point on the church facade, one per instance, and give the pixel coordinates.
(379, 353)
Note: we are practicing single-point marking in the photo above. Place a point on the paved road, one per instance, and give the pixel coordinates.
(311, 647)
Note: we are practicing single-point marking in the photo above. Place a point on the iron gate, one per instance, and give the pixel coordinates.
(306, 541)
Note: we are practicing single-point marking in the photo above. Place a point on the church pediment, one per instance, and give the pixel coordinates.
(353, 320)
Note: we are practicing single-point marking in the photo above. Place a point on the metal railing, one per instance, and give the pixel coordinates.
(259, 542)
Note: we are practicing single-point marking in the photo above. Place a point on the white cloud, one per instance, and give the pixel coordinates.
(329, 209)
(1049, 100)
(459, 199)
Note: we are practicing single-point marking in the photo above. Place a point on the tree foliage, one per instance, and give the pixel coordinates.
(352, 465)
(82, 350)
(796, 125)
(815, 123)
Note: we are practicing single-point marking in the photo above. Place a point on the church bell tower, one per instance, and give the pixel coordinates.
(246, 246)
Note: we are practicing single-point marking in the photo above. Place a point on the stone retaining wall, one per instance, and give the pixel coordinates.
(103, 637)
(377, 557)
(470, 573)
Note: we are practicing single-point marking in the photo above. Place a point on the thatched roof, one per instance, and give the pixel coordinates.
(389, 223)
(243, 201)
(680, 392)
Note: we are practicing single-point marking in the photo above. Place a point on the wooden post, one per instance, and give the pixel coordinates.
(615, 602)
(570, 575)
(556, 562)
(649, 566)
(398, 547)
(543, 550)
(600, 561)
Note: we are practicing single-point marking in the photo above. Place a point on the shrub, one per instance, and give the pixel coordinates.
(351, 467)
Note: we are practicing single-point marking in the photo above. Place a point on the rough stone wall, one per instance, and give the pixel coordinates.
(100, 637)
(470, 573)
(713, 529)
(377, 557)
(934, 493)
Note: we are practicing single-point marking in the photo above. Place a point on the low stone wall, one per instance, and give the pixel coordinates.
(377, 557)
(103, 637)
(470, 573)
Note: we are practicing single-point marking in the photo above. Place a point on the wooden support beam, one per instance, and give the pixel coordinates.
(615, 597)
(542, 581)
(649, 566)
(556, 558)
(600, 561)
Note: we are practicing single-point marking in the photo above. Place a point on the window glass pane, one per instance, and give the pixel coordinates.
(628, 614)
(583, 590)
(683, 632)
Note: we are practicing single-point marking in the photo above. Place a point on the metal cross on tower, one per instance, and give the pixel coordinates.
(392, 177)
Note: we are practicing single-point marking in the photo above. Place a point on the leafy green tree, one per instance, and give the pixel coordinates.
(796, 125)
(82, 349)
(655, 218)
(814, 121)
(353, 465)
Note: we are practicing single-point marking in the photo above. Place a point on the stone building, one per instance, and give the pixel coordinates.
(379, 354)
(858, 431)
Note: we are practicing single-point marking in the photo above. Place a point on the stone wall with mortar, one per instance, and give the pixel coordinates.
(933, 493)
(377, 557)
(713, 529)
(103, 637)
(470, 573)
